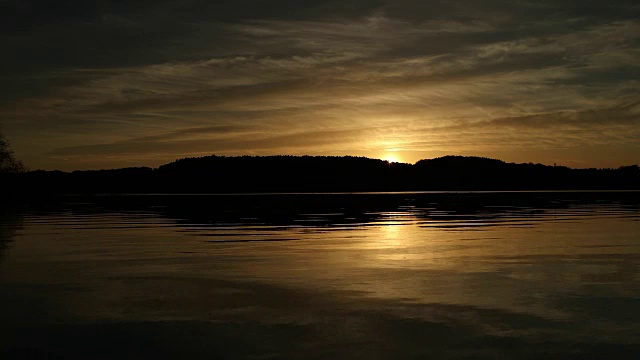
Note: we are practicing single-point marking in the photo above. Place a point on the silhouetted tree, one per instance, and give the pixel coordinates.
(8, 161)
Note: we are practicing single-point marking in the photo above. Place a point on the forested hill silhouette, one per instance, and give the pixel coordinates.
(289, 173)
(220, 174)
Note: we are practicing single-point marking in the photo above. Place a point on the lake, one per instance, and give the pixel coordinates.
(322, 276)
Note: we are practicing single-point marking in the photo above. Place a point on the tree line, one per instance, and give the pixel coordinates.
(242, 174)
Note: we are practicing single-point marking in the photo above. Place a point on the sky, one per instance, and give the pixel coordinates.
(109, 84)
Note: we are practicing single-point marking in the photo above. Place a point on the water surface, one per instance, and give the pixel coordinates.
(338, 276)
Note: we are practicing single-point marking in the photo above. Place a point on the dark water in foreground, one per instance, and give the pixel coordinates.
(351, 276)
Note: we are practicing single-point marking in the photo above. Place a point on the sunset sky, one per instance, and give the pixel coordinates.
(89, 85)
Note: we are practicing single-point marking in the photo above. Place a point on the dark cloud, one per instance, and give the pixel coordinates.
(171, 144)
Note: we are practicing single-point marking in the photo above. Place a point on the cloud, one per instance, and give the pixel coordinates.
(209, 140)
(196, 83)
(133, 78)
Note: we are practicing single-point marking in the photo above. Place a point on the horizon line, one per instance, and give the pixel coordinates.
(328, 156)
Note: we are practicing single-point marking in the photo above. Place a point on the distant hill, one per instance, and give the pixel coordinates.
(220, 174)
(475, 173)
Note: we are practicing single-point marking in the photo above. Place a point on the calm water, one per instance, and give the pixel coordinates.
(342, 276)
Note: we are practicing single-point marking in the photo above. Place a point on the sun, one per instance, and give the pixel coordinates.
(391, 157)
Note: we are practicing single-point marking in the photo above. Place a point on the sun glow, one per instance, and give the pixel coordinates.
(391, 157)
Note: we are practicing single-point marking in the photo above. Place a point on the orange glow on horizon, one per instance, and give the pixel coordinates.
(391, 157)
